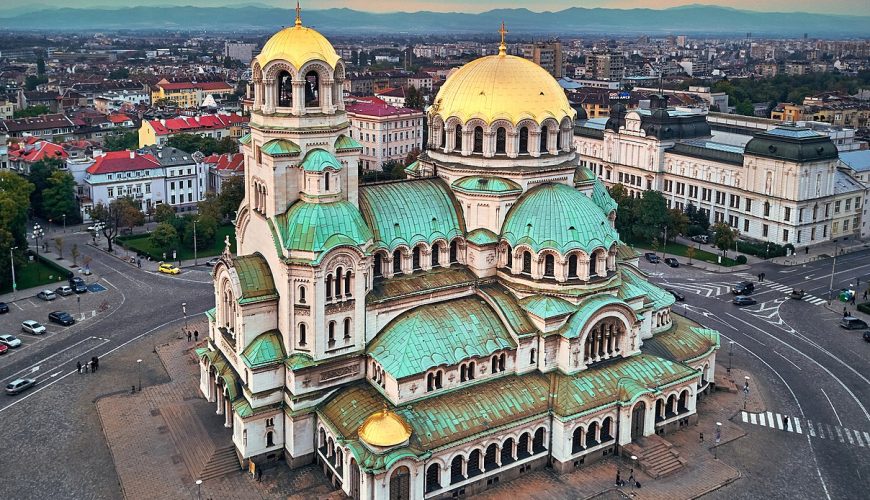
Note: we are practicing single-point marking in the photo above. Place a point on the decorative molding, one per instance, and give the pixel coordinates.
(340, 372)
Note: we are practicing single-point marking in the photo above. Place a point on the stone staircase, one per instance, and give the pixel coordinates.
(223, 461)
(656, 457)
(203, 459)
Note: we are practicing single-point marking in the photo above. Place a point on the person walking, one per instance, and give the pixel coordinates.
(94, 364)
(79, 366)
(87, 367)
(763, 275)
(259, 475)
(865, 294)
(196, 335)
(189, 335)
(785, 421)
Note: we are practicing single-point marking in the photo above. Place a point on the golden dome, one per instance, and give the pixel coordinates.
(502, 86)
(298, 45)
(384, 429)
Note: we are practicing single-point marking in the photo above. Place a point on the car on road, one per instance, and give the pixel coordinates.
(4, 308)
(212, 262)
(672, 262)
(19, 385)
(743, 288)
(168, 269)
(743, 300)
(32, 327)
(61, 318)
(677, 295)
(63, 290)
(852, 323)
(701, 238)
(46, 295)
(10, 341)
(651, 258)
(3, 349)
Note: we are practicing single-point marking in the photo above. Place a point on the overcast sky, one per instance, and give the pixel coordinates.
(855, 7)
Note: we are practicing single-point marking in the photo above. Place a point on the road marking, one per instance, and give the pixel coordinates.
(848, 436)
(778, 422)
(770, 421)
(867, 438)
(19, 307)
(797, 426)
(858, 439)
(790, 361)
(752, 418)
(839, 434)
(832, 405)
(35, 367)
(744, 416)
(810, 429)
(110, 283)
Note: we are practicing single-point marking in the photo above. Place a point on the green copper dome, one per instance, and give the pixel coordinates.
(318, 160)
(486, 185)
(558, 217)
(320, 227)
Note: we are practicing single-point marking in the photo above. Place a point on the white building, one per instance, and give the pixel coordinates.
(385, 132)
(185, 181)
(116, 174)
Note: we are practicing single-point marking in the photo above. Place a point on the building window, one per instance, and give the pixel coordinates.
(500, 140)
(767, 209)
(787, 215)
(301, 294)
(524, 140)
(836, 207)
(785, 235)
(764, 229)
(302, 338)
(549, 266)
(397, 261)
(331, 333)
(346, 328)
(746, 225)
(527, 263)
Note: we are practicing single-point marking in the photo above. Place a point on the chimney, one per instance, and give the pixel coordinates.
(163, 122)
(97, 153)
(132, 155)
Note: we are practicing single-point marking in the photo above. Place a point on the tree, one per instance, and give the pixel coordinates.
(724, 236)
(112, 216)
(652, 215)
(232, 194)
(33, 81)
(119, 74)
(40, 66)
(206, 231)
(164, 237)
(59, 198)
(40, 175)
(74, 251)
(210, 206)
(58, 244)
(690, 252)
(677, 223)
(131, 215)
(14, 203)
(39, 109)
(86, 261)
(412, 156)
(625, 211)
(127, 140)
(226, 145)
(413, 98)
(164, 213)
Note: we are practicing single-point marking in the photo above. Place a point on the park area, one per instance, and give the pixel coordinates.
(35, 273)
(143, 245)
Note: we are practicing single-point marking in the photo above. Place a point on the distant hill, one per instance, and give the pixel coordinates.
(688, 19)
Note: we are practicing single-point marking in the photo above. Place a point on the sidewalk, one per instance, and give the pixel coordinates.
(822, 251)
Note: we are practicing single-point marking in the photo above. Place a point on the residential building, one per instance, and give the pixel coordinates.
(222, 167)
(394, 97)
(117, 100)
(116, 174)
(605, 66)
(187, 95)
(547, 55)
(384, 132)
(243, 52)
(421, 81)
(217, 126)
(7, 109)
(45, 126)
(737, 130)
(184, 182)
(21, 155)
(857, 163)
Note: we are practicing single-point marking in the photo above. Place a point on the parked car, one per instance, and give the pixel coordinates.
(19, 385)
(701, 238)
(651, 258)
(212, 262)
(4, 308)
(61, 318)
(3, 349)
(743, 288)
(677, 295)
(10, 341)
(743, 300)
(853, 323)
(168, 269)
(672, 262)
(46, 295)
(63, 290)
(32, 327)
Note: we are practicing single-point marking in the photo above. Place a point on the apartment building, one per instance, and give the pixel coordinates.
(547, 55)
(189, 94)
(384, 132)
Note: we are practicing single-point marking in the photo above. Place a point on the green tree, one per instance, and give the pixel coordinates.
(14, 203)
(210, 206)
(39, 109)
(40, 66)
(119, 74)
(232, 194)
(206, 231)
(164, 213)
(131, 215)
(724, 236)
(164, 237)
(413, 98)
(59, 198)
(677, 223)
(626, 217)
(40, 175)
(127, 140)
(111, 216)
(653, 216)
(33, 81)
(226, 145)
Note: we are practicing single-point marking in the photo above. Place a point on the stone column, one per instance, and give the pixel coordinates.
(467, 141)
(512, 145)
(551, 141)
(326, 96)
(228, 414)
(514, 446)
(534, 143)
(488, 143)
(298, 97)
(270, 97)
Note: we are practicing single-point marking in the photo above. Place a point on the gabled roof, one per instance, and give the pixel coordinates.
(509, 307)
(37, 150)
(230, 162)
(265, 350)
(122, 161)
(546, 306)
(194, 123)
(280, 147)
(255, 278)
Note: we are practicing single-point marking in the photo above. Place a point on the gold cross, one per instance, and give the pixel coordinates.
(298, 14)
(503, 32)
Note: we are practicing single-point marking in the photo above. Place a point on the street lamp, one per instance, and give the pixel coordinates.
(79, 301)
(12, 264)
(139, 369)
(184, 311)
(199, 488)
(745, 390)
(195, 260)
(718, 438)
(631, 478)
(730, 354)
(64, 222)
(36, 235)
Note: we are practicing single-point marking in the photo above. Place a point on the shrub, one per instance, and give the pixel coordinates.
(741, 259)
(864, 307)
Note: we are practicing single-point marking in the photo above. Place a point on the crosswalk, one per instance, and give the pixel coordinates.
(717, 288)
(812, 299)
(796, 425)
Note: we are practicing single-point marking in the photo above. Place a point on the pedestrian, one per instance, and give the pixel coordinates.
(259, 474)
(759, 277)
(139, 263)
(189, 335)
(94, 364)
(763, 275)
(853, 299)
(785, 421)
(865, 294)
(702, 437)
(97, 362)
(87, 367)
(196, 335)
(806, 250)
(618, 479)
(79, 366)
(845, 313)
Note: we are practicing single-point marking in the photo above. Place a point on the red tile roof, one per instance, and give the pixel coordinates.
(122, 161)
(195, 85)
(231, 161)
(119, 118)
(373, 106)
(35, 150)
(190, 124)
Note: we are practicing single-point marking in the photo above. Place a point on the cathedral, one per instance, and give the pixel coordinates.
(435, 336)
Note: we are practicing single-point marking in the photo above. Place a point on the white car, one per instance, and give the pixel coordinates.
(33, 327)
(10, 340)
(46, 295)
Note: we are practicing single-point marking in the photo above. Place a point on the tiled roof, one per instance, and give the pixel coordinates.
(439, 334)
(507, 304)
(122, 161)
(190, 124)
(546, 307)
(858, 161)
(234, 162)
(195, 85)
(267, 349)
(634, 285)
(318, 160)
(41, 122)
(408, 212)
(38, 150)
(373, 106)
(587, 308)
(319, 227)
(602, 197)
(344, 143)
(438, 278)
(684, 342)
(255, 278)
(482, 236)
(280, 147)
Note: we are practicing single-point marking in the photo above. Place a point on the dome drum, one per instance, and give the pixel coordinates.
(501, 138)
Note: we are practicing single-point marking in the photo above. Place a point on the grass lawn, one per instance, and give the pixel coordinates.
(679, 249)
(141, 243)
(34, 274)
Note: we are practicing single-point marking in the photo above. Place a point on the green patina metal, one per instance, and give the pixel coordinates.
(413, 168)
(255, 278)
(299, 360)
(211, 314)
(546, 306)
(625, 253)
(320, 227)
(586, 310)
(280, 147)
(243, 408)
(482, 236)
(319, 160)
(265, 350)
(439, 334)
(685, 342)
(409, 212)
(510, 308)
(602, 197)
(583, 175)
(406, 285)
(558, 217)
(634, 285)
(622, 381)
(245, 139)
(480, 184)
(345, 143)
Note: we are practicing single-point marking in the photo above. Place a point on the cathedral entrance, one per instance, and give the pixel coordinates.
(354, 479)
(638, 416)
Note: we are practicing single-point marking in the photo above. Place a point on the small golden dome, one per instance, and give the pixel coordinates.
(298, 45)
(384, 429)
(502, 86)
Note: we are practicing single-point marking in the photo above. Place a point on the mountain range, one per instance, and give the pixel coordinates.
(697, 19)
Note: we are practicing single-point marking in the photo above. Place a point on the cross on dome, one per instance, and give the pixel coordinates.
(298, 14)
(502, 49)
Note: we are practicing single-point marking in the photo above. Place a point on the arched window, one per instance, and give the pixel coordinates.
(436, 255)
(456, 469)
(500, 140)
(592, 261)
(430, 382)
(549, 266)
(590, 434)
(533, 356)
(572, 266)
(463, 373)
(471, 369)
(301, 294)
(270, 439)
(478, 140)
(433, 477)
(494, 368)
(510, 257)
(683, 405)
(400, 484)
(379, 266)
(331, 332)
(302, 336)
(545, 132)
(457, 138)
(326, 181)
(453, 252)
(489, 458)
(328, 286)
(347, 328)
(501, 361)
(415, 258)
(312, 89)
(397, 261)
(339, 273)
(438, 376)
(605, 429)
(473, 466)
(577, 440)
(348, 290)
(559, 140)
(285, 89)
(523, 446)
(507, 451)
(524, 140)
(527, 263)
(538, 442)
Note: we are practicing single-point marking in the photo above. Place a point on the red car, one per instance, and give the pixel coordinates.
(3, 348)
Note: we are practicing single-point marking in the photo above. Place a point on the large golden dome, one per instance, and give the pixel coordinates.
(298, 45)
(502, 86)
(384, 429)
